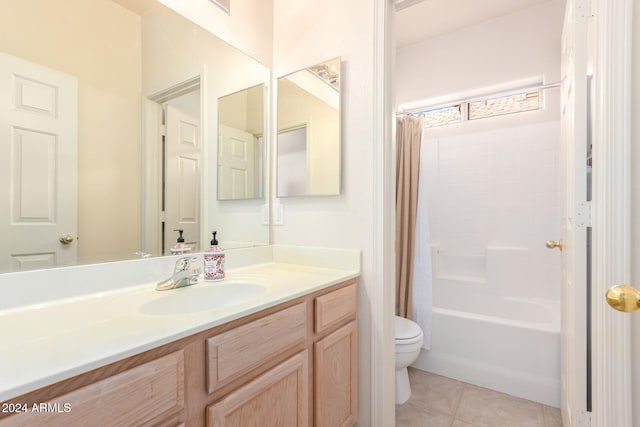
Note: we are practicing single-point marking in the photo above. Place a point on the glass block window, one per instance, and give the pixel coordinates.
(504, 105)
(442, 116)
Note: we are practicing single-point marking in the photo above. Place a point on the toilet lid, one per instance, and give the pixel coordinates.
(406, 329)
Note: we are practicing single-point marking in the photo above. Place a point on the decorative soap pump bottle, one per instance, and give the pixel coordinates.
(214, 261)
(180, 247)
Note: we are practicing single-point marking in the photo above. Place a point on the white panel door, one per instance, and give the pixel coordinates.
(182, 177)
(236, 164)
(38, 169)
(573, 142)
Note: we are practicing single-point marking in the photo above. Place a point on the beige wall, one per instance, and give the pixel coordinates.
(99, 43)
(244, 110)
(249, 26)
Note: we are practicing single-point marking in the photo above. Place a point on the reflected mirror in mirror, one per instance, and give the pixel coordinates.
(241, 144)
(308, 144)
(79, 184)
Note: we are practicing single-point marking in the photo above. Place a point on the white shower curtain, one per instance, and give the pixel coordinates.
(422, 268)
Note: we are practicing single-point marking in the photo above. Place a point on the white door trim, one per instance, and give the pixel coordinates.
(382, 291)
(611, 211)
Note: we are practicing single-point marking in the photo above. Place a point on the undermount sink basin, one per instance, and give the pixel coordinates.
(203, 297)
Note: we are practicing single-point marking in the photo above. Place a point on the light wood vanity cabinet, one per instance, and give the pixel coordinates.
(294, 364)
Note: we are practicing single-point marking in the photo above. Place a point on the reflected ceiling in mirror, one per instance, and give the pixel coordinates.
(308, 144)
(95, 64)
(241, 124)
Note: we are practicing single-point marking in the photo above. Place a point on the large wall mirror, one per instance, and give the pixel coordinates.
(87, 79)
(308, 145)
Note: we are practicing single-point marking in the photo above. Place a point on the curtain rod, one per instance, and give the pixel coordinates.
(478, 98)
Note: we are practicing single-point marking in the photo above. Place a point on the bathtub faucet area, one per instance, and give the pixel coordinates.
(186, 272)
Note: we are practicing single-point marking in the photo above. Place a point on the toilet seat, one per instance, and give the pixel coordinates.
(407, 331)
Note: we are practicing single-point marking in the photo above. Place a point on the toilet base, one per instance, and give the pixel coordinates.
(403, 388)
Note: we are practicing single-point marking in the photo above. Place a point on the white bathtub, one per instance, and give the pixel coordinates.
(510, 345)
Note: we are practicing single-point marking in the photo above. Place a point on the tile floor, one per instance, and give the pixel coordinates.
(438, 401)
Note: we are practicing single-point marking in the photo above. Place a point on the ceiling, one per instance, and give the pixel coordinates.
(423, 19)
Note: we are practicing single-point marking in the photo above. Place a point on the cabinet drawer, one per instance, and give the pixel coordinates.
(132, 397)
(335, 308)
(240, 350)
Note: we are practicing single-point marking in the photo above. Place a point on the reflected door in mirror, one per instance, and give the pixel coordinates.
(237, 160)
(38, 148)
(182, 176)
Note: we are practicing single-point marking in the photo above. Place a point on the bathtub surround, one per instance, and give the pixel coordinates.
(492, 197)
(408, 138)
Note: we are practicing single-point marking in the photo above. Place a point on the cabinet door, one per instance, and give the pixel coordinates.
(280, 397)
(336, 378)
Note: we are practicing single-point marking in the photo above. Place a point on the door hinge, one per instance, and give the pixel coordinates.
(163, 130)
(583, 214)
(163, 216)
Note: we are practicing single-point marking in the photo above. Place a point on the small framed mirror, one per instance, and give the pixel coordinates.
(308, 143)
(241, 124)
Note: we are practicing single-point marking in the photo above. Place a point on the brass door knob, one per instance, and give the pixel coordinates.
(552, 244)
(624, 298)
(65, 239)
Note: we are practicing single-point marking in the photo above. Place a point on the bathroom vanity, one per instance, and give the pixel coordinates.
(287, 356)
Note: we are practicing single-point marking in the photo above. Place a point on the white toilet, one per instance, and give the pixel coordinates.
(409, 338)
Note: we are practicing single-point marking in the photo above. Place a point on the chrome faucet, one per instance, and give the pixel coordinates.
(185, 273)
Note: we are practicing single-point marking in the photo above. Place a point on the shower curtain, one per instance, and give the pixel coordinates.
(413, 257)
(422, 264)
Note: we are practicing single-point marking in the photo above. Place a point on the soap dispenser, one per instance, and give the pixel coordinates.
(214, 261)
(180, 248)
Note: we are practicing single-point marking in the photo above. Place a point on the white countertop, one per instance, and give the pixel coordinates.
(48, 342)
